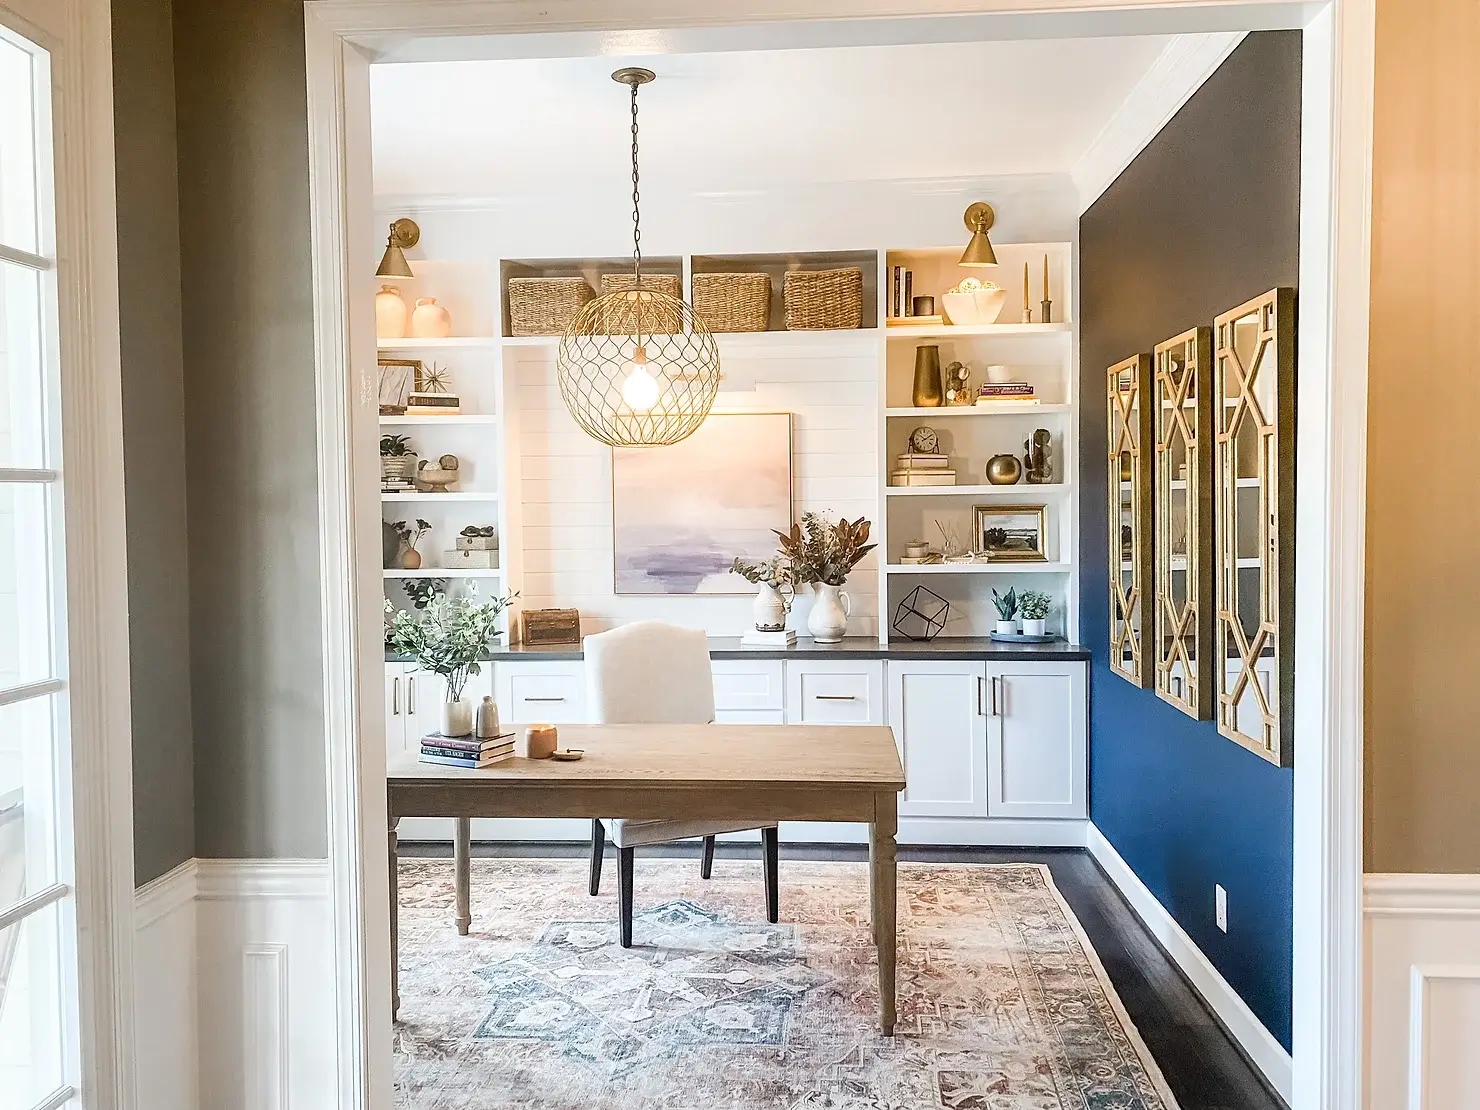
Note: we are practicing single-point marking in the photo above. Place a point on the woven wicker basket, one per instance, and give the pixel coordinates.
(545, 306)
(824, 299)
(733, 302)
(668, 284)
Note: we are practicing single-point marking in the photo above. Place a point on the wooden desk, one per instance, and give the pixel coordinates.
(760, 773)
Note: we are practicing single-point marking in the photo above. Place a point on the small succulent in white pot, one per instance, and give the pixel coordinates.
(1035, 605)
(1007, 607)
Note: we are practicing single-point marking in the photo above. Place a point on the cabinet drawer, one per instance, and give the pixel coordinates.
(819, 693)
(542, 692)
(743, 684)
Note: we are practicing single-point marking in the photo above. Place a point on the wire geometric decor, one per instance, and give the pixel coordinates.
(637, 368)
(922, 615)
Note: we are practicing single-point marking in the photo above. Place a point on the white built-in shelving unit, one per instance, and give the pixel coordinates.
(503, 380)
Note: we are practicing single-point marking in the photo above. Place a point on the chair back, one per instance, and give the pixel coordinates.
(649, 673)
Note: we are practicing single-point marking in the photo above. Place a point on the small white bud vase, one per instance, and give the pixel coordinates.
(828, 620)
(457, 717)
(430, 320)
(1032, 627)
(1007, 628)
(770, 608)
(390, 313)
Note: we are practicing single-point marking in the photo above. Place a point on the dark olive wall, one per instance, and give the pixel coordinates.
(1206, 217)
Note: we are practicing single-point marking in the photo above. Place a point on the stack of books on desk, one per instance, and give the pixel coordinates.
(1007, 391)
(471, 752)
(922, 470)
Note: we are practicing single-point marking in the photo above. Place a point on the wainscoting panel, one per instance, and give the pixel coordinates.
(165, 949)
(565, 487)
(1423, 992)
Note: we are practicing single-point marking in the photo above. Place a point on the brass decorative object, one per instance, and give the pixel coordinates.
(637, 367)
(404, 233)
(928, 392)
(1183, 525)
(1004, 470)
(1129, 396)
(1254, 469)
(979, 218)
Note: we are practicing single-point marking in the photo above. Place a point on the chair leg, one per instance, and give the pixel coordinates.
(706, 858)
(624, 894)
(598, 849)
(771, 851)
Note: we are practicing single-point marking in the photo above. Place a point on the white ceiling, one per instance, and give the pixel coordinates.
(748, 120)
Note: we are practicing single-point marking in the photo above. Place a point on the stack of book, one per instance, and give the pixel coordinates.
(471, 752)
(1021, 392)
(915, 469)
(433, 404)
(396, 484)
(901, 292)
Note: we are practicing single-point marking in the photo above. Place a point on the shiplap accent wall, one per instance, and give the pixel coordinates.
(831, 391)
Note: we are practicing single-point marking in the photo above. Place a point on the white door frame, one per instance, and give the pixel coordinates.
(77, 34)
(344, 36)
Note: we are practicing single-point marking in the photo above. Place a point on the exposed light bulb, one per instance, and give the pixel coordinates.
(639, 388)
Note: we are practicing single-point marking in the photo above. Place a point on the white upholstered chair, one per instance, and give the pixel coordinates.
(654, 673)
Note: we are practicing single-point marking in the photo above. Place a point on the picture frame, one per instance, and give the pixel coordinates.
(399, 378)
(1011, 533)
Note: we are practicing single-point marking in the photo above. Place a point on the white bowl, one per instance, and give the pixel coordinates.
(981, 306)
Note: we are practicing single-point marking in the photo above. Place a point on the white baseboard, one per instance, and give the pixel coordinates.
(166, 1003)
(1268, 1055)
(1423, 991)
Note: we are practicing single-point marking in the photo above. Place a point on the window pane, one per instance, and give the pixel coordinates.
(22, 393)
(26, 583)
(30, 1010)
(27, 798)
(17, 148)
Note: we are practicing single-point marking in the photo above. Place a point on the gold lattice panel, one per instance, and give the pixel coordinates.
(1183, 557)
(1254, 384)
(1129, 521)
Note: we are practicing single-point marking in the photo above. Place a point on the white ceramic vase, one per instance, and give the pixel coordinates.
(457, 717)
(1032, 627)
(390, 313)
(1007, 628)
(828, 620)
(770, 609)
(430, 320)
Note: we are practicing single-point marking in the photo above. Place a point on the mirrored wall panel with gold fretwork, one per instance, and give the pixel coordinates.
(1182, 590)
(1129, 396)
(1254, 469)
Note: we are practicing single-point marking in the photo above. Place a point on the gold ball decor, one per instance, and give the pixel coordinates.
(638, 368)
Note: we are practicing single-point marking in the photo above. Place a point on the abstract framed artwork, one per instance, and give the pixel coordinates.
(681, 514)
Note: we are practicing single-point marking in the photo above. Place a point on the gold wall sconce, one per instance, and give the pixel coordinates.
(404, 233)
(979, 218)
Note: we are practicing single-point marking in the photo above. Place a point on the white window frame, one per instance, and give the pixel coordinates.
(95, 871)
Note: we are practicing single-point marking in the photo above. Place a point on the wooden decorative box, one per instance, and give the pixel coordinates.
(550, 626)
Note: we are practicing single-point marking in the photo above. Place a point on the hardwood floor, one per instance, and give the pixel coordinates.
(1203, 1066)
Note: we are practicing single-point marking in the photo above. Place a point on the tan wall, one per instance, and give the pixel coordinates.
(1423, 502)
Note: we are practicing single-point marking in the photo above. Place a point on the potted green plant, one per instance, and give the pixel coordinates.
(824, 554)
(449, 637)
(776, 590)
(410, 537)
(1007, 607)
(397, 459)
(1034, 605)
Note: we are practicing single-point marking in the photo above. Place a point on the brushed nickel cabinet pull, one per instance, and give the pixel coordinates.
(979, 683)
(995, 711)
(836, 697)
(544, 699)
(396, 695)
(411, 695)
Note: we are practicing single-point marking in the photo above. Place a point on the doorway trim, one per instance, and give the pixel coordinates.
(344, 36)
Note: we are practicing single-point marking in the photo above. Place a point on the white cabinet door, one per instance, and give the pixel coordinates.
(395, 708)
(937, 711)
(829, 692)
(746, 685)
(542, 692)
(1036, 763)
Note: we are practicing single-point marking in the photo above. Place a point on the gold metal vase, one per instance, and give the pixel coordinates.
(928, 392)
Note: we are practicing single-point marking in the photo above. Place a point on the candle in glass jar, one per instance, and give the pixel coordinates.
(540, 741)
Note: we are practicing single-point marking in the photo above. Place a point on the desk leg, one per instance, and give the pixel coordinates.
(462, 873)
(873, 886)
(391, 840)
(881, 855)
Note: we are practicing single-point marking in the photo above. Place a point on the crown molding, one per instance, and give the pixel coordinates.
(1178, 72)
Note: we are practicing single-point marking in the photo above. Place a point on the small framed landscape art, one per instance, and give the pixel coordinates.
(682, 514)
(1011, 533)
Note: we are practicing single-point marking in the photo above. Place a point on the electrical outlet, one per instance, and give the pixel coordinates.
(1220, 906)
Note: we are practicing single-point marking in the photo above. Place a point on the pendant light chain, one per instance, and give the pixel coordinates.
(636, 211)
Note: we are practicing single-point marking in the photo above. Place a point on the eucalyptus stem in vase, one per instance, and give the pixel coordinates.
(449, 637)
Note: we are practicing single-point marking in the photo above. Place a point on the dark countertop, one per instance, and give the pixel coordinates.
(852, 647)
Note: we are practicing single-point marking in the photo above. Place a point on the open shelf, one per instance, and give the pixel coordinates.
(443, 572)
(465, 419)
(979, 568)
(996, 408)
(954, 331)
(1018, 489)
(432, 344)
(419, 496)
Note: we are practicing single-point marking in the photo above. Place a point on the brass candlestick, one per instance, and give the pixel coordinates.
(1046, 315)
(1027, 305)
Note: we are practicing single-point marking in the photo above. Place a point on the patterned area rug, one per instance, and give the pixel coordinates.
(1003, 1005)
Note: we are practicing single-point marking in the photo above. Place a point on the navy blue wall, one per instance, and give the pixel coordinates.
(1206, 217)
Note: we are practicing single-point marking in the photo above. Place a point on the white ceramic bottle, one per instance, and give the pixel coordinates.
(390, 313)
(430, 320)
(487, 724)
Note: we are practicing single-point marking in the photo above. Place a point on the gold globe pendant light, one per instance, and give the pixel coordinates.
(637, 368)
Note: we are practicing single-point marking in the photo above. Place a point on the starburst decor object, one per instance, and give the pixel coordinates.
(636, 367)
(434, 379)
